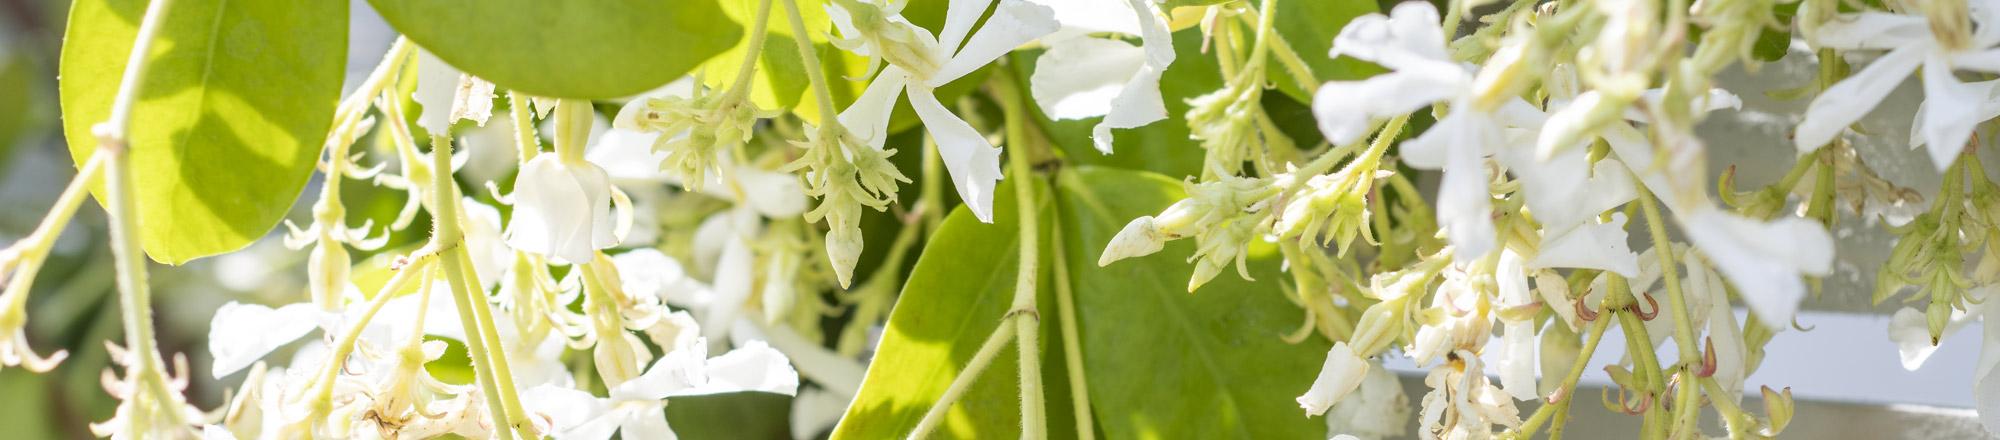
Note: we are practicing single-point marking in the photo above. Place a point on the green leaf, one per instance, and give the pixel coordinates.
(1774, 42)
(231, 117)
(739, 416)
(962, 286)
(1162, 361)
(780, 78)
(1158, 360)
(1309, 26)
(588, 50)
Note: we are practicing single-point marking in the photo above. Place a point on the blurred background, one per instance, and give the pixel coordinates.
(1844, 370)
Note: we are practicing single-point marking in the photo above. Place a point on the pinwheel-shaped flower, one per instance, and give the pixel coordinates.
(919, 63)
(1124, 84)
(1940, 41)
(637, 408)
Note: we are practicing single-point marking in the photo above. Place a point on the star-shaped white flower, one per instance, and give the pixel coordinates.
(1951, 107)
(637, 408)
(1411, 42)
(1124, 81)
(918, 64)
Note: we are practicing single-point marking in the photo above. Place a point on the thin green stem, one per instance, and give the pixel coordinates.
(1295, 66)
(524, 127)
(143, 362)
(1683, 324)
(467, 283)
(1033, 421)
(447, 238)
(758, 30)
(344, 346)
(980, 360)
(1079, 386)
(821, 92)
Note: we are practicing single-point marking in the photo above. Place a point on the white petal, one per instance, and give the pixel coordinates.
(1345, 108)
(647, 271)
(1566, 190)
(1590, 245)
(1852, 98)
(1873, 30)
(1411, 38)
(1341, 374)
(772, 194)
(562, 210)
(1061, 86)
(216, 432)
(650, 424)
(1464, 207)
(437, 87)
(1730, 354)
(240, 334)
(1517, 360)
(568, 409)
(973, 163)
(1081, 17)
(1912, 335)
(1763, 259)
(752, 367)
(1012, 24)
(868, 117)
(1512, 280)
(1950, 111)
(1986, 379)
(1138, 104)
(735, 274)
(959, 15)
(814, 412)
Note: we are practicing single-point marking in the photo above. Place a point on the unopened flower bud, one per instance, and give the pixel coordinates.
(1139, 238)
(1341, 374)
(1779, 407)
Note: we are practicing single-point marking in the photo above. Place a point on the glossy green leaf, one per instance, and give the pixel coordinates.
(232, 114)
(589, 50)
(961, 287)
(780, 76)
(1774, 42)
(1159, 361)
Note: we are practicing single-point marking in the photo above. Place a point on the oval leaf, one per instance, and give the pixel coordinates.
(231, 115)
(585, 50)
(962, 286)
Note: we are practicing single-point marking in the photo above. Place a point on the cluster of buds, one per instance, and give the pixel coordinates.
(1223, 216)
(1226, 123)
(845, 175)
(1934, 247)
(697, 132)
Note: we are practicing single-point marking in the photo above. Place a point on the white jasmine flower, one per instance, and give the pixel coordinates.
(1911, 332)
(1377, 409)
(1464, 317)
(919, 64)
(1411, 43)
(240, 334)
(447, 99)
(1124, 81)
(1462, 403)
(1516, 359)
(1590, 245)
(1986, 378)
(1764, 259)
(637, 408)
(1951, 107)
(1343, 371)
(562, 209)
